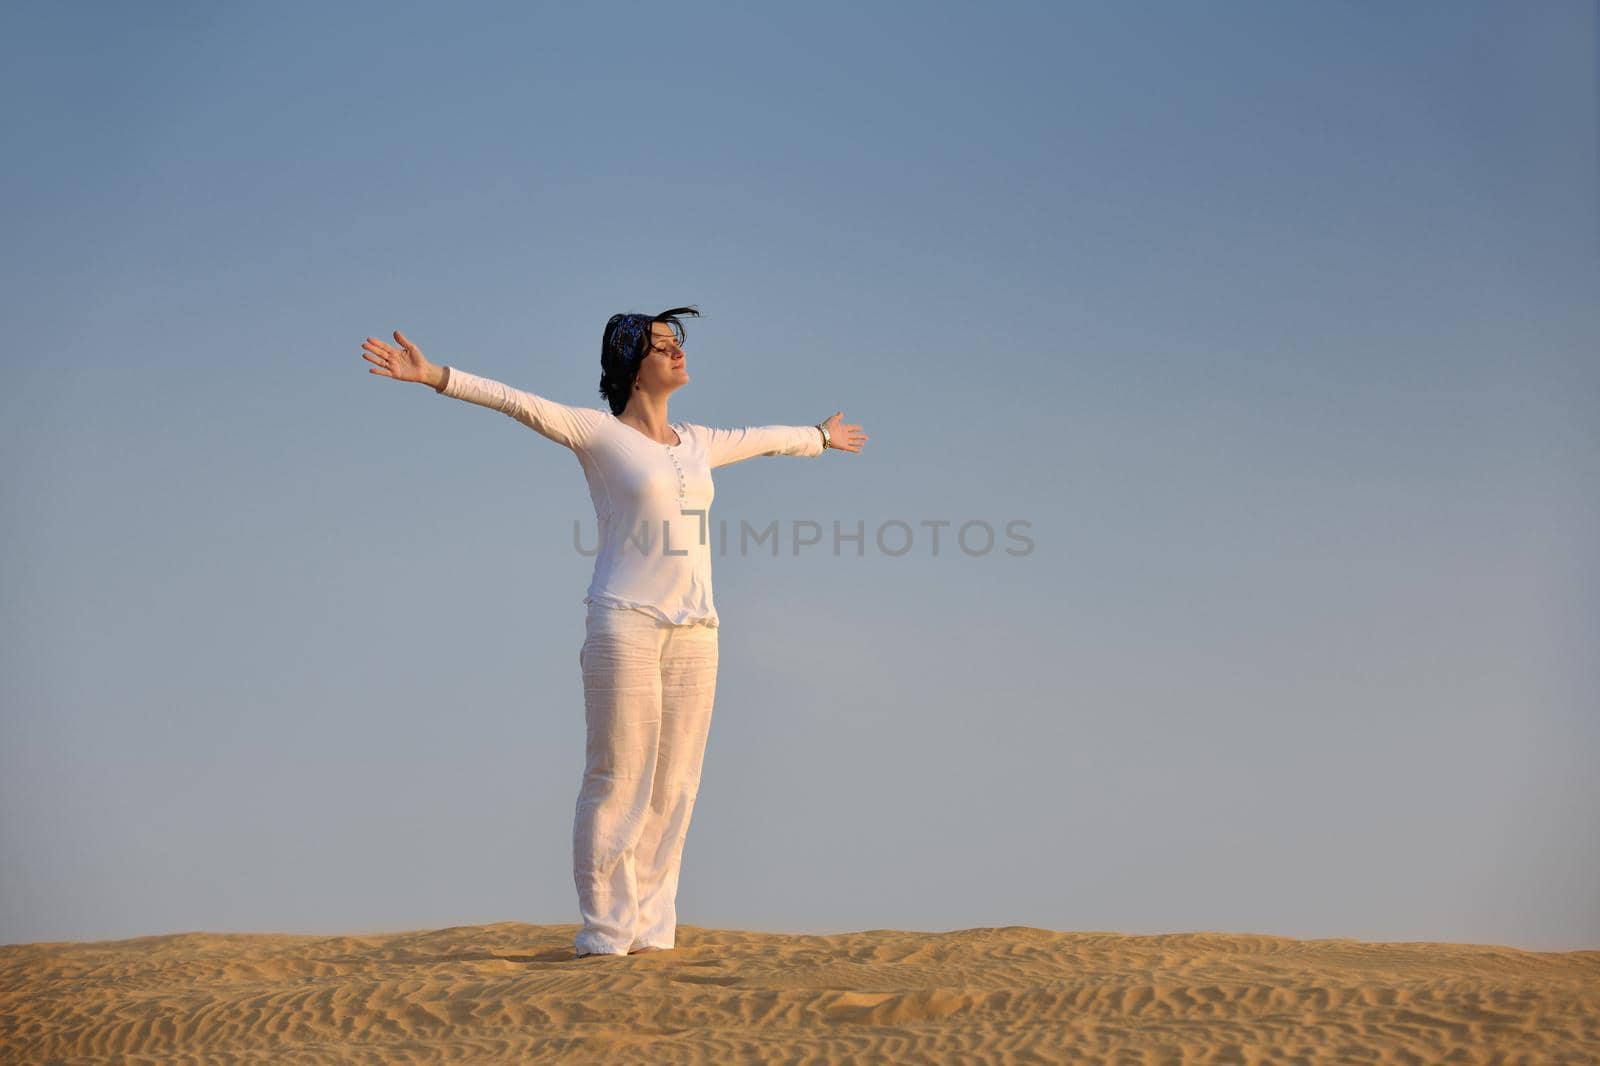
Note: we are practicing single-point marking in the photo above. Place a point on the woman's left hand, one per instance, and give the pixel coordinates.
(845, 438)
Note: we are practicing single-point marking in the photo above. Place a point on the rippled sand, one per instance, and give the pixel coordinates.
(512, 992)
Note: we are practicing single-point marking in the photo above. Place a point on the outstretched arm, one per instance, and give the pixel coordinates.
(404, 361)
(724, 446)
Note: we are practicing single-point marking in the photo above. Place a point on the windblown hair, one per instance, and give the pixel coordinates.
(619, 368)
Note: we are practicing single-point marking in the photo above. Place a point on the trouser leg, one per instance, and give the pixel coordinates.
(622, 696)
(688, 691)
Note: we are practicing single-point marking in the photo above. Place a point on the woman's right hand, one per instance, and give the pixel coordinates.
(402, 361)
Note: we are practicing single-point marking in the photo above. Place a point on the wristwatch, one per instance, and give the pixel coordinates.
(827, 441)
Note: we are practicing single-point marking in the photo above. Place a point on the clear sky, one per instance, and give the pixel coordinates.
(1276, 323)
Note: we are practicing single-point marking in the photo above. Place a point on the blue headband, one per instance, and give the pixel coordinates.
(625, 337)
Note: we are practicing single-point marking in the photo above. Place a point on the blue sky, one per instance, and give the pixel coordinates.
(1276, 324)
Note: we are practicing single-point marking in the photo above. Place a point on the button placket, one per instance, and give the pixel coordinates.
(683, 489)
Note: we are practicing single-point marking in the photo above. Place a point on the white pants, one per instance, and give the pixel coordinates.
(648, 687)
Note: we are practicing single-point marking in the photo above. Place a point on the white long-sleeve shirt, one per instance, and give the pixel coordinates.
(652, 501)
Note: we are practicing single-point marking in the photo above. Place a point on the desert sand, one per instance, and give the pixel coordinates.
(513, 993)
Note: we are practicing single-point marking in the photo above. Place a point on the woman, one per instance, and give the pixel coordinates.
(649, 657)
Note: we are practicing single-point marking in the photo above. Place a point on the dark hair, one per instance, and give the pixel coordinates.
(619, 367)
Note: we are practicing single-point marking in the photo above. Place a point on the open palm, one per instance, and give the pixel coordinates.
(845, 438)
(402, 360)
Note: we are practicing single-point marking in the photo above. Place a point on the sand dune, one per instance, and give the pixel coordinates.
(512, 992)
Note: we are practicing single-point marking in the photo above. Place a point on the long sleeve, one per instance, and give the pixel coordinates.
(724, 446)
(571, 427)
